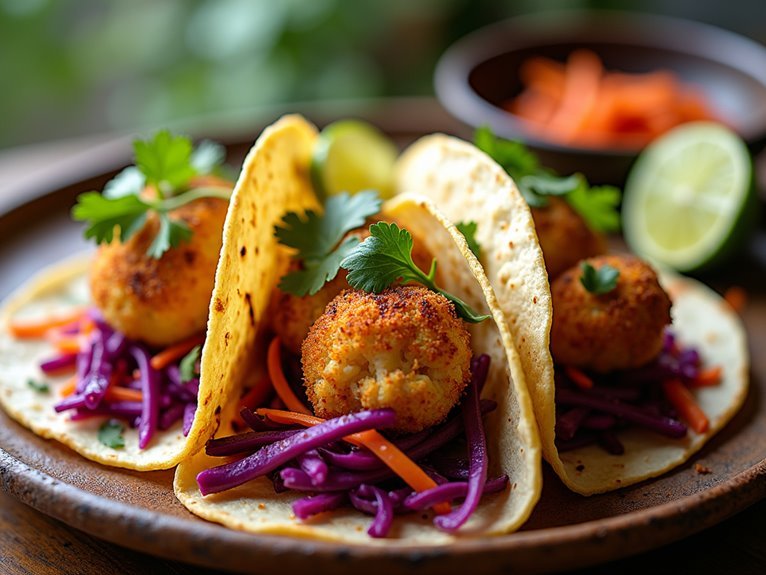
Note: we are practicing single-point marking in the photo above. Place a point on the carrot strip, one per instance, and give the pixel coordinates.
(579, 378)
(581, 87)
(683, 401)
(71, 344)
(176, 351)
(398, 461)
(707, 377)
(38, 329)
(69, 386)
(124, 394)
(736, 297)
(257, 394)
(278, 379)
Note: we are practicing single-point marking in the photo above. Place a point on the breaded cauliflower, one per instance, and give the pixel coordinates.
(161, 301)
(292, 316)
(621, 329)
(404, 348)
(564, 236)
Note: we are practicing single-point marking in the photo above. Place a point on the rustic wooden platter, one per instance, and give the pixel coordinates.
(139, 511)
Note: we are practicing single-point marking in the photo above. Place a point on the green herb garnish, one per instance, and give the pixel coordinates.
(468, 229)
(316, 237)
(596, 205)
(38, 386)
(188, 365)
(110, 434)
(167, 163)
(386, 256)
(598, 281)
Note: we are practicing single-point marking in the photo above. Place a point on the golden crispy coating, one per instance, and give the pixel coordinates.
(404, 348)
(564, 237)
(621, 329)
(161, 301)
(292, 316)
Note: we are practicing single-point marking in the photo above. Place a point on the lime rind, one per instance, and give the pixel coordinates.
(689, 197)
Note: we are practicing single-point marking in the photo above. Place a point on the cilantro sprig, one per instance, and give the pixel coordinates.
(317, 239)
(468, 229)
(110, 434)
(188, 365)
(38, 386)
(385, 257)
(597, 205)
(167, 164)
(598, 281)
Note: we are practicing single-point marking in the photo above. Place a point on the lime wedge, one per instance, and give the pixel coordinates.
(351, 156)
(690, 199)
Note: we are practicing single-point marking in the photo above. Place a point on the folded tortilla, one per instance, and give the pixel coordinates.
(274, 181)
(487, 195)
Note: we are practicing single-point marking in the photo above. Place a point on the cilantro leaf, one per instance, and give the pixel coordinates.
(386, 256)
(207, 157)
(129, 182)
(468, 229)
(597, 205)
(171, 234)
(598, 281)
(110, 434)
(165, 161)
(188, 365)
(38, 386)
(104, 214)
(316, 237)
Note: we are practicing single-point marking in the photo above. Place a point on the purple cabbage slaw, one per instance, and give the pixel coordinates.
(332, 474)
(165, 399)
(620, 400)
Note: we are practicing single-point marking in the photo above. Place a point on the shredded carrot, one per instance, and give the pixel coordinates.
(124, 394)
(683, 401)
(257, 395)
(69, 386)
(278, 379)
(398, 461)
(68, 344)
(707, 377)
(37, 329)
(579, 102)
(176, 351)
(578, 378)
(736, 297)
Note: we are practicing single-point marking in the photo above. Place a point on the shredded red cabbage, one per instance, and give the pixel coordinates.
(309, 506)
(110, 355)
(619, 400)
(269, 457)
(449, 492)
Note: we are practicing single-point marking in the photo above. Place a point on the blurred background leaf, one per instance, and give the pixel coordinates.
(73, 67)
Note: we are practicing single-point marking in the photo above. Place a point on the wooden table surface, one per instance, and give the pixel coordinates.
(33, 543)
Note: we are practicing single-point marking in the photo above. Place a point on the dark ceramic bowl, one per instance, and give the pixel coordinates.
(480, 72)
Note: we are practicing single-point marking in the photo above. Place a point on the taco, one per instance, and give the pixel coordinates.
(101, 353)
(392, 369)
(628, 394)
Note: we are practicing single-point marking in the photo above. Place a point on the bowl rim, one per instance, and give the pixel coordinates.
(718, 45)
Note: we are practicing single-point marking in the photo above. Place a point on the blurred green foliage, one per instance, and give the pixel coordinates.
(73, 67)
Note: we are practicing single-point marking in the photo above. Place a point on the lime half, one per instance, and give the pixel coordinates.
(689, 199)
(351, 156)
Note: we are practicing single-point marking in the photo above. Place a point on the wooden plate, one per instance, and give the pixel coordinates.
(138, 510)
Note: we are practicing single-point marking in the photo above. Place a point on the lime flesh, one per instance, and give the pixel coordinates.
(690, 197)
(351, 156)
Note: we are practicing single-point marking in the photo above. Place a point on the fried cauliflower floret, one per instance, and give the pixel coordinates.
(404, 348)
(621, 329)
(292, 316)
(161, 301)
(564, 236)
